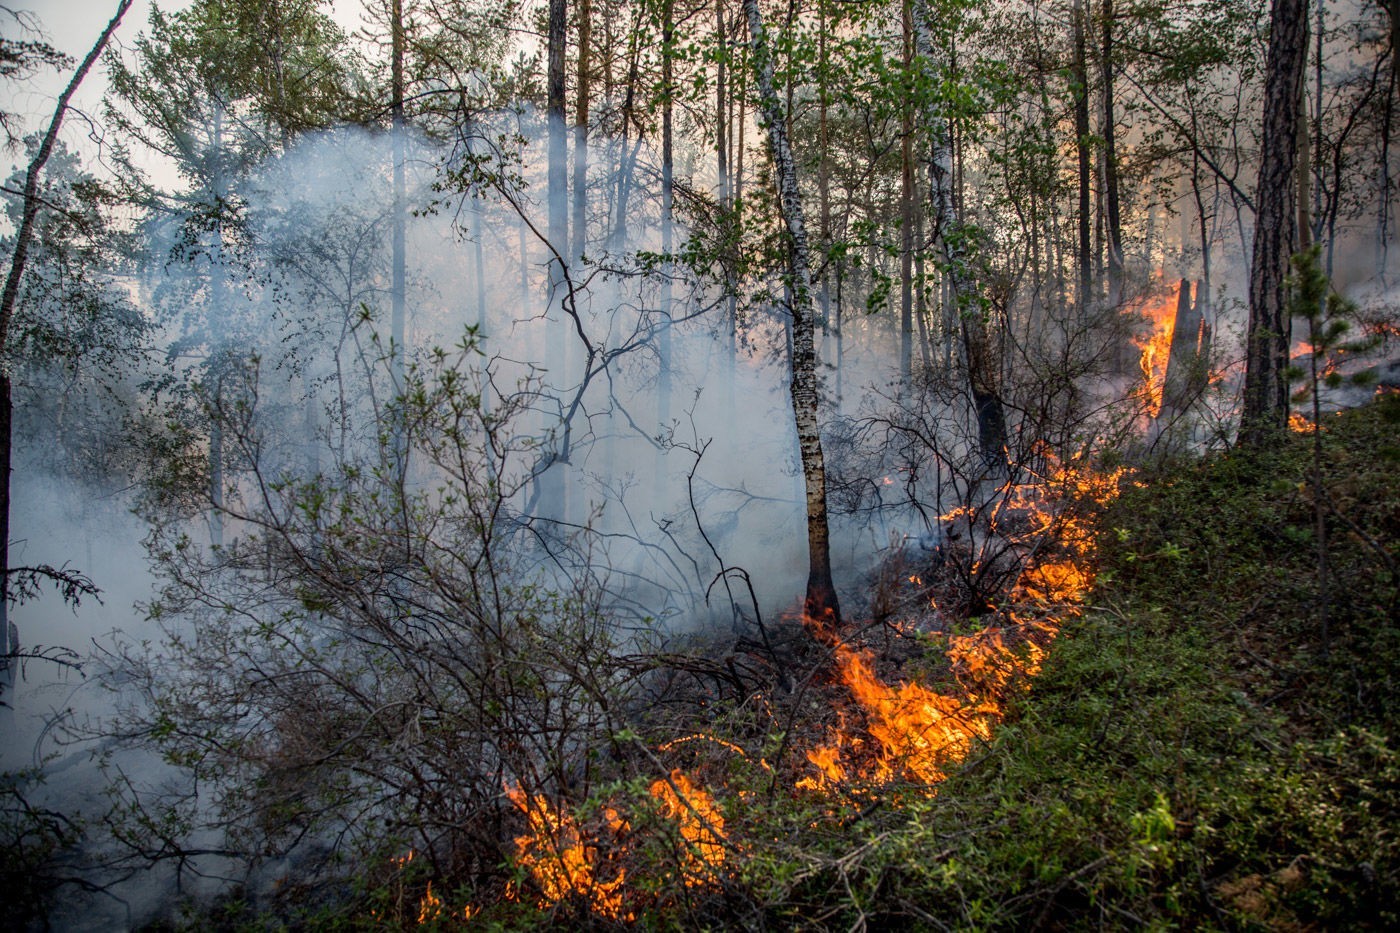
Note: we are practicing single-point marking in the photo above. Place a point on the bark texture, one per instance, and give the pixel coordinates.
(1265, 412)
(821, 604)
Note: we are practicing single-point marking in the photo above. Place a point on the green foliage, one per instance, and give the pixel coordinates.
(1186, 758)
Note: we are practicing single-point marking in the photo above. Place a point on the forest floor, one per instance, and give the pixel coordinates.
(1194, 752)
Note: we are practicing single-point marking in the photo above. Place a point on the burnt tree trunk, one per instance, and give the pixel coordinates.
(1185, 375)
(1265, 412)
(821, 604)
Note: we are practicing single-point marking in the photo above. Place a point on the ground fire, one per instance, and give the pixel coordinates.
(890, 731)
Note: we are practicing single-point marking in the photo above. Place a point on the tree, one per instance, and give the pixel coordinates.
(821, 604)
(19, 256)
(954, 239)
(1265, 412)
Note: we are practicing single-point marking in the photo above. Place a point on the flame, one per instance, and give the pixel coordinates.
(566, 860)
(1156, 347)
(701, 824)
(561, 861)
(896, 729)
(918, 732)
(1299, 424)
(430, 907)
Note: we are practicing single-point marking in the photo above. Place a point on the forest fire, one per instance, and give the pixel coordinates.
(888, 731)
(1156, 345)
(701, 824)
(561, 858)
(920, 732)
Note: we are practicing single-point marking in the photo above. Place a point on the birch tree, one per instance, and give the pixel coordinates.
(951, 237)
(821, 604)
(9, 640)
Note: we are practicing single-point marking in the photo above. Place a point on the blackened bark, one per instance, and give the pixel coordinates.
(1265, 413)
(1185, 375)
(821, 605)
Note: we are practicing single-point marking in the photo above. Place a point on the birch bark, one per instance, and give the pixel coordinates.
(821, 604)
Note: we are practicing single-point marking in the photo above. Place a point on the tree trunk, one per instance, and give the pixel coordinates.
(663, 341)
(906, 215)
(1185, 374)
(1265, 413)
(983, 363)
(24, 236)
(399, 257)
(1110, 165)
(1079, 81)
(1383, 209)
(821, 604)
(585, 32)
(552, 488)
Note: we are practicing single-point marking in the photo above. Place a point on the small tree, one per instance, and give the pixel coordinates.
(1328, 316)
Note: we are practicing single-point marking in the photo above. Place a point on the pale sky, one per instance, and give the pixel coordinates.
(72, 26)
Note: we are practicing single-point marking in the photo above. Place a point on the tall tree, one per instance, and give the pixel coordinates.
(1079, 86)
(953, 239)
(821, 604)
(1112, 216)
(24, 237)
(1265, 412)
(552, 489)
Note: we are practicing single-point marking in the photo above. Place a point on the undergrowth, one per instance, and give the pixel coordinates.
(1189, 756)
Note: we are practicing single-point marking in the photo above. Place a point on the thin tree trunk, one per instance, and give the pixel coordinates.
(1079, 80)
(1265, 413)
(821, 604)
(1110, 164)
(663, 343)
(399, 257)
(1383, 209)
(552, 487)
(906, 214)
(584, 73)
(24, 237)
(983, 363)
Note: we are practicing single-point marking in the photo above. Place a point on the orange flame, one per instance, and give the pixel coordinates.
(701, 824)
(560, 860)
(920, 732)
(1156, 346)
